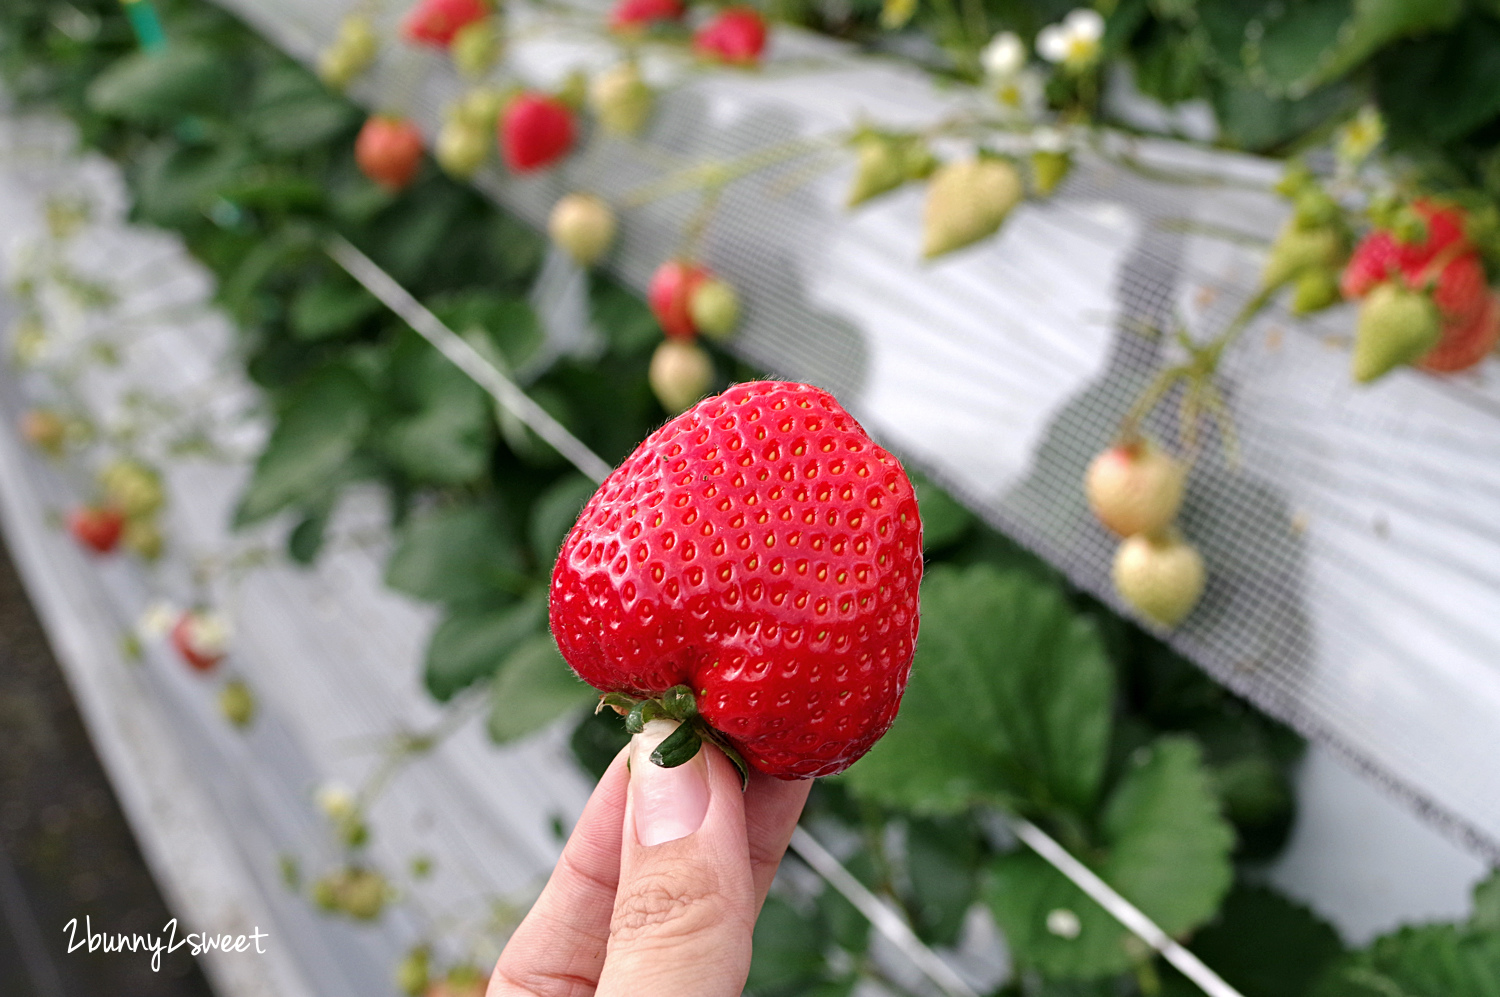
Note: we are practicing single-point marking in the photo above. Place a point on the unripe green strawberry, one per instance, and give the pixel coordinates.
(966, 201)
(237, 703)
(362, 893)
(1160, 576)
(620, 99)
(481, 107)
(583, 226)
(1315, 290)
(413, 971)
(1396, 326)
(1135, 487)
(476, 48)
(325, 892)
(461, 981)
(681, 373)
(132, 487)
(1298, 250)
(142, 537)
(714, 308)
(880, 166)
(461, 147)
(353, 49)
(45, 430)
(1048, 169)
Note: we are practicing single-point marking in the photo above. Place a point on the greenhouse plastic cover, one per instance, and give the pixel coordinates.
(1353, 547)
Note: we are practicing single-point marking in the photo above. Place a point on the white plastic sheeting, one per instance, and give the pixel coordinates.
(1354, 561)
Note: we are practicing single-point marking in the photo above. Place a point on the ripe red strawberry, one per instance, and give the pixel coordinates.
(1381, 255)
(1464, 344)
(670, 295)
(201, 638)
(97, 527)
(736, 36)
(435, 22)
(535, 132)
(761, 553)
(389, 151)
(637, 15)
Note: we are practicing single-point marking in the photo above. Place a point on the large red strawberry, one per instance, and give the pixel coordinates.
(97, 527)
(1463, 345)
(435, 22)
(637, 15)
(389, 151)
(535, 132)
(670, 295)
(736, 36)
(753, 567)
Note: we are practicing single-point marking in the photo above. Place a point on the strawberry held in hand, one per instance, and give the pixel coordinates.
(435, 22)
(736, 36)
(535, 132)
(751, 569)
(389, 151)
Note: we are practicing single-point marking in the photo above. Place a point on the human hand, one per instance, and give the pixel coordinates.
(659, 885)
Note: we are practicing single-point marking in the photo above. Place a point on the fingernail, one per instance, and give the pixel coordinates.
(668, 803)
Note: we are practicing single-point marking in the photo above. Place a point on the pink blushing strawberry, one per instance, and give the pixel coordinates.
(435, 22)
(752, 567)
(201, 638)
(670, 295)
(637, 15)
(389, 151)
(535, 132)
(736, 36)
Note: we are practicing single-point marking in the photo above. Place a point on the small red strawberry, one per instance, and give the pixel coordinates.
(201, 637)
(97, 527)
(670, 295)
(389, 151)
(637, 15)
(435, 22)
(753, 569)
(1462, 345)
(535, 132)
(736, 36)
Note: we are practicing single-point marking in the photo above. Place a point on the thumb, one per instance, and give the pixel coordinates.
(686, 903)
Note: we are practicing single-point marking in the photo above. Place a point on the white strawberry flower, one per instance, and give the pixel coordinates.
(1049, 139)
(336, 800)
(1004, 56)
(1075, 42)
(158, 617)
(1064, 923)
(1020, 96)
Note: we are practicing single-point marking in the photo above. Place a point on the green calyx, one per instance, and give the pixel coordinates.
(682, 745)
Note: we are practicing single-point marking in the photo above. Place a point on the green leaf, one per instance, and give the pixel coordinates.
(1441, 89)
(941, 860)
(174, 184)
(318, 432)
(787, 948)
(306, 538)
(1253, 922)
(183, 79)
(293, 111)
(458, 554)
(555, 512)
(534, 688)
(1486, 916)
(1009, 701)
(1166, 849)
(472, 642)
(1438, 960)
(329, 307)
(509, 324)
(944, 520)
(441, 431)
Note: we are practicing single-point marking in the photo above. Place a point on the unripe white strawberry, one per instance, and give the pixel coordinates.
(966, 201)
(1396, 326)
(583, 226)
(352, 51)
(681, 373)
(481, 107)
(1135, 487)
(1160, 575)
(620, 99)
(714, 308)
(461, 147)
(1299, 249)
(880, 166)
